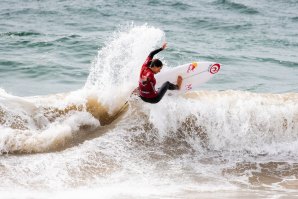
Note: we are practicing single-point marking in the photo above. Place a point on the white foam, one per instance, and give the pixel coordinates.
(39, 140)
(234, 120)
(115, 72)
(122, 162)
(113, 76)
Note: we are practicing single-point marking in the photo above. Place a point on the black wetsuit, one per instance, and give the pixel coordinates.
(161, 92)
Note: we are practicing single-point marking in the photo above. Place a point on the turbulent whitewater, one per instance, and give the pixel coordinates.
(71, 129)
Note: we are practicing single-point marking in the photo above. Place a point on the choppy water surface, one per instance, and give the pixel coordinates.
(67, 68)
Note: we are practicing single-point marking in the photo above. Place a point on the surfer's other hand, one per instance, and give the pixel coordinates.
(164, 45)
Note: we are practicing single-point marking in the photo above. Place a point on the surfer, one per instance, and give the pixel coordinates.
(147, 81)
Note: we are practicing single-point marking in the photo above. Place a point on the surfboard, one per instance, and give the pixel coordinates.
(194, 74)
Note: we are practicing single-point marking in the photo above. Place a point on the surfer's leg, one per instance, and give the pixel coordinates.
(163, 89)
(173, 86)
(150, 100)
(160, 93)
(176, 86)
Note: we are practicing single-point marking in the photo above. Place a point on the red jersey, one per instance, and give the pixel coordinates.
(147, 81)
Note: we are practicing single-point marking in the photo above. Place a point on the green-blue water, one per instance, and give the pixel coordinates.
(67, 68)
(48, 46)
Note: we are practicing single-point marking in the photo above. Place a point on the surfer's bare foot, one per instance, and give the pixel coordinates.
(179, 82)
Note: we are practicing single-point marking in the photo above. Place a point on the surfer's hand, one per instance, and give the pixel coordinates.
(164, 45)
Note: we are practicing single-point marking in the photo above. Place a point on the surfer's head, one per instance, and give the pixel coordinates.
(156, 65)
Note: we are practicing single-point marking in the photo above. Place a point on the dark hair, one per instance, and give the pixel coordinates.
(156, 63)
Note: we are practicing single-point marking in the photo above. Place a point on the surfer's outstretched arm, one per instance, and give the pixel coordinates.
(151, 55)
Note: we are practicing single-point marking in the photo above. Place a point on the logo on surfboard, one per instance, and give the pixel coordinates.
(192, 67)
(214, 68)
(188, 87)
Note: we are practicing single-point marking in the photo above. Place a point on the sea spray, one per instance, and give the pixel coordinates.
(45, 123)
(178, 148)
(114, 73)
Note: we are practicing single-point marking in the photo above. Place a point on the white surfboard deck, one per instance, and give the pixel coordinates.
(194, 74)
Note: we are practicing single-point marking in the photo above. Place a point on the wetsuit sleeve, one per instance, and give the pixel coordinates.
(151, 55)
(149, 58)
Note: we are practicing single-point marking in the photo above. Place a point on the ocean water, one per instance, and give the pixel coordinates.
(68, 67)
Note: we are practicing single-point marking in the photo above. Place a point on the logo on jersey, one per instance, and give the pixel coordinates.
(214, 68)
(192, 67)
